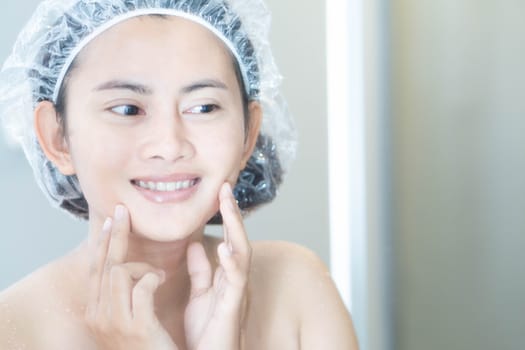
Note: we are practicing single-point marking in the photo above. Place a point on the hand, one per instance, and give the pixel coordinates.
(120, 311)
(214, 313)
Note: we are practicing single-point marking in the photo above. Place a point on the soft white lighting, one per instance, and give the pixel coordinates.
(346, 135)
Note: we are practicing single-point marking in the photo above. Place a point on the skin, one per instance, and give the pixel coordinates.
(152, 99)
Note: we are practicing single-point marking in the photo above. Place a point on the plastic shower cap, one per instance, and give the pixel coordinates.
(59, 29)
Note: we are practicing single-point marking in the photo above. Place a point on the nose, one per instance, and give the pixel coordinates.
(166, 138)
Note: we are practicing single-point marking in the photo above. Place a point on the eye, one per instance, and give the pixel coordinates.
(202, 109)
(127, 110)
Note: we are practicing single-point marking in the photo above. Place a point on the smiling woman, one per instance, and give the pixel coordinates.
(151, 119)
(163, 138)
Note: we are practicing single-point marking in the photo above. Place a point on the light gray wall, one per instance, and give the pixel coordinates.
(34, 233)
(458, 122)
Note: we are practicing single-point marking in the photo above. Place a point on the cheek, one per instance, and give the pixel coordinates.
(226, 145)
(98, 163)
(100, 175)
(97, 151)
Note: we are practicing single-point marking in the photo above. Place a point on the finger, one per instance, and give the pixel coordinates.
(116, 254)
(226, 260)
(97, 268)
(199, 269)
(121, 285)
(235, 271)
(118, 245)
(235, 234)
(143, 302)
(120, 294)
(137, 270)
(230, 279)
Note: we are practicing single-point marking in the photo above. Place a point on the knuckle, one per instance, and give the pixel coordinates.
(109, 264)
(140, 291)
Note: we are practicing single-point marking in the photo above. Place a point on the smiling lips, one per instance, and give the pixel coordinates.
(169, 189)
(166, 186)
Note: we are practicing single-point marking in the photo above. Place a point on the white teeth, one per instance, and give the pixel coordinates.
(166, 186)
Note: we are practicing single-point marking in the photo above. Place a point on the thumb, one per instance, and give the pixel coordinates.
(143, 302)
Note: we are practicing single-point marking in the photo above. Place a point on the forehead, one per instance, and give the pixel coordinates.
(156, 43)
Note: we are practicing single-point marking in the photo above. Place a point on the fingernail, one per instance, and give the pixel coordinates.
(107, 225)
(119, 212)
(227, 188)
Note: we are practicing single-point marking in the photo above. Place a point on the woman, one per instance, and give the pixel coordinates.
(151, 119)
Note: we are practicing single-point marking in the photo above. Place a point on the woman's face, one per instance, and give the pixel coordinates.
(154, 120)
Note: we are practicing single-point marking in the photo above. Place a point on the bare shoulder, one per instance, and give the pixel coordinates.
(277, 248)
(300, 266)
(32, 307)
(297, 264)
(17, 316)
(304, 286)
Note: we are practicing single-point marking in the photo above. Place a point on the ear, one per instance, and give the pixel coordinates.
(254, 120)
(51, 137)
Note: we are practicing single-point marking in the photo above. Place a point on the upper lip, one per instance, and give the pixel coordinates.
(166, 178)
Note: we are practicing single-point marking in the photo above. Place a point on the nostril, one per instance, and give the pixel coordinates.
(161, 147)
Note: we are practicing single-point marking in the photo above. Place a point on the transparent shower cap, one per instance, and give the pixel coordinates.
(59, 29)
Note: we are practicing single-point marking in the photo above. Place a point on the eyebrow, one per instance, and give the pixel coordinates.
(124, 85)
(145, 90)
(203, 84)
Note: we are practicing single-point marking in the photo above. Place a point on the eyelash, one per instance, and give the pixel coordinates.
(203, 109)
(125, 112)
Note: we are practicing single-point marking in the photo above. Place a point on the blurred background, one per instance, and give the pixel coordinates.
(457, 118)
(435, 259)
(445, 198)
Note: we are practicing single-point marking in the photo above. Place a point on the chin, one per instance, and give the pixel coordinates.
(167, 230)
(159, 236)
